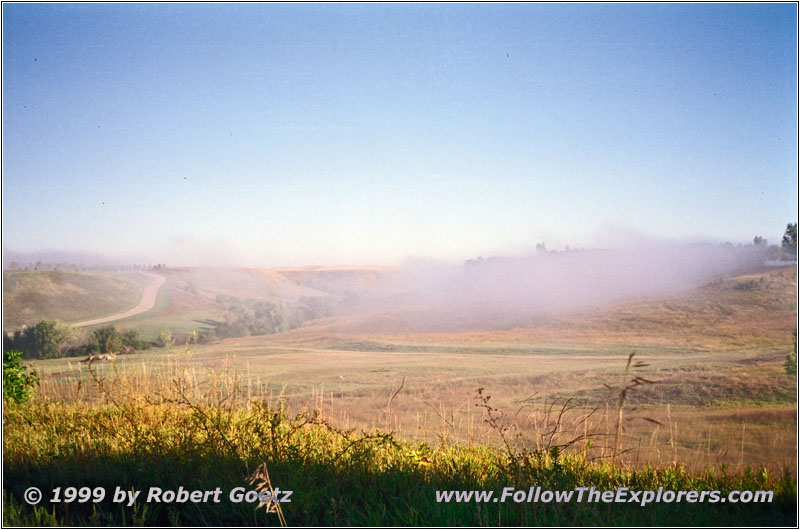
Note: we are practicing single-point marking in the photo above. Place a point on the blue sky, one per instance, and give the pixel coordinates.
(290, 134)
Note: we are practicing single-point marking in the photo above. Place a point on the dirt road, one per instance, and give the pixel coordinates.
(145, 304)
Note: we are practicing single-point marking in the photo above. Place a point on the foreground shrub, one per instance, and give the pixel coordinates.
(18, 383)
(791, 358)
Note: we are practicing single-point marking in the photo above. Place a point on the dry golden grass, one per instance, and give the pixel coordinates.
(715, 355)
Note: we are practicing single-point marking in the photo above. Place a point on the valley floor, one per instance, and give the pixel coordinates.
(366, 418)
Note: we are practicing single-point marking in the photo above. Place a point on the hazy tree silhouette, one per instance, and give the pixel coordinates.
(789, 242)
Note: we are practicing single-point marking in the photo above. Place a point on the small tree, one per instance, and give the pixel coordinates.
(789, 243)
(791, 358)
(131, 338)
(105, 340)
(18, 382)
(44, 340)
(165, 338)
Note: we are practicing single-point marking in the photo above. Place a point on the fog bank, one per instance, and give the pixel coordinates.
(502, 292)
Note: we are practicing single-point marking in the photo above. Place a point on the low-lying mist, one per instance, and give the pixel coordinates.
(426, 295)
(478, 294)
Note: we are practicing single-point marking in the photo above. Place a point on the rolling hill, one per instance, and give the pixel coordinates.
(32, 296)
(189, 297)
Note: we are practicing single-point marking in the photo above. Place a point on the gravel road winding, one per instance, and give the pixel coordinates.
(147, 302)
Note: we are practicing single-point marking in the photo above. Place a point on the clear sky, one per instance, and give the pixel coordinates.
(289, 134)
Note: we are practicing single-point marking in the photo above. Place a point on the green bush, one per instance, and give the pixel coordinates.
(791, 357)
(45, 340)
(105, 340)
(165, 338)
(18, 382)
(131, 338)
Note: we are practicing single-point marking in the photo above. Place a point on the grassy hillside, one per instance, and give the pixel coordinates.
(194, 296)
(190, 297)
(217, 284)
(32, 296)
(176, 308)
(337, 280)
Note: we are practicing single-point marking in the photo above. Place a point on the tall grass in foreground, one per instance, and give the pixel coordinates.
(196, 433)
(710, 399)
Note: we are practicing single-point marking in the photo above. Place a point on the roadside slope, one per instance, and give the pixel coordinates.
(145, 304)
(32, 296)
